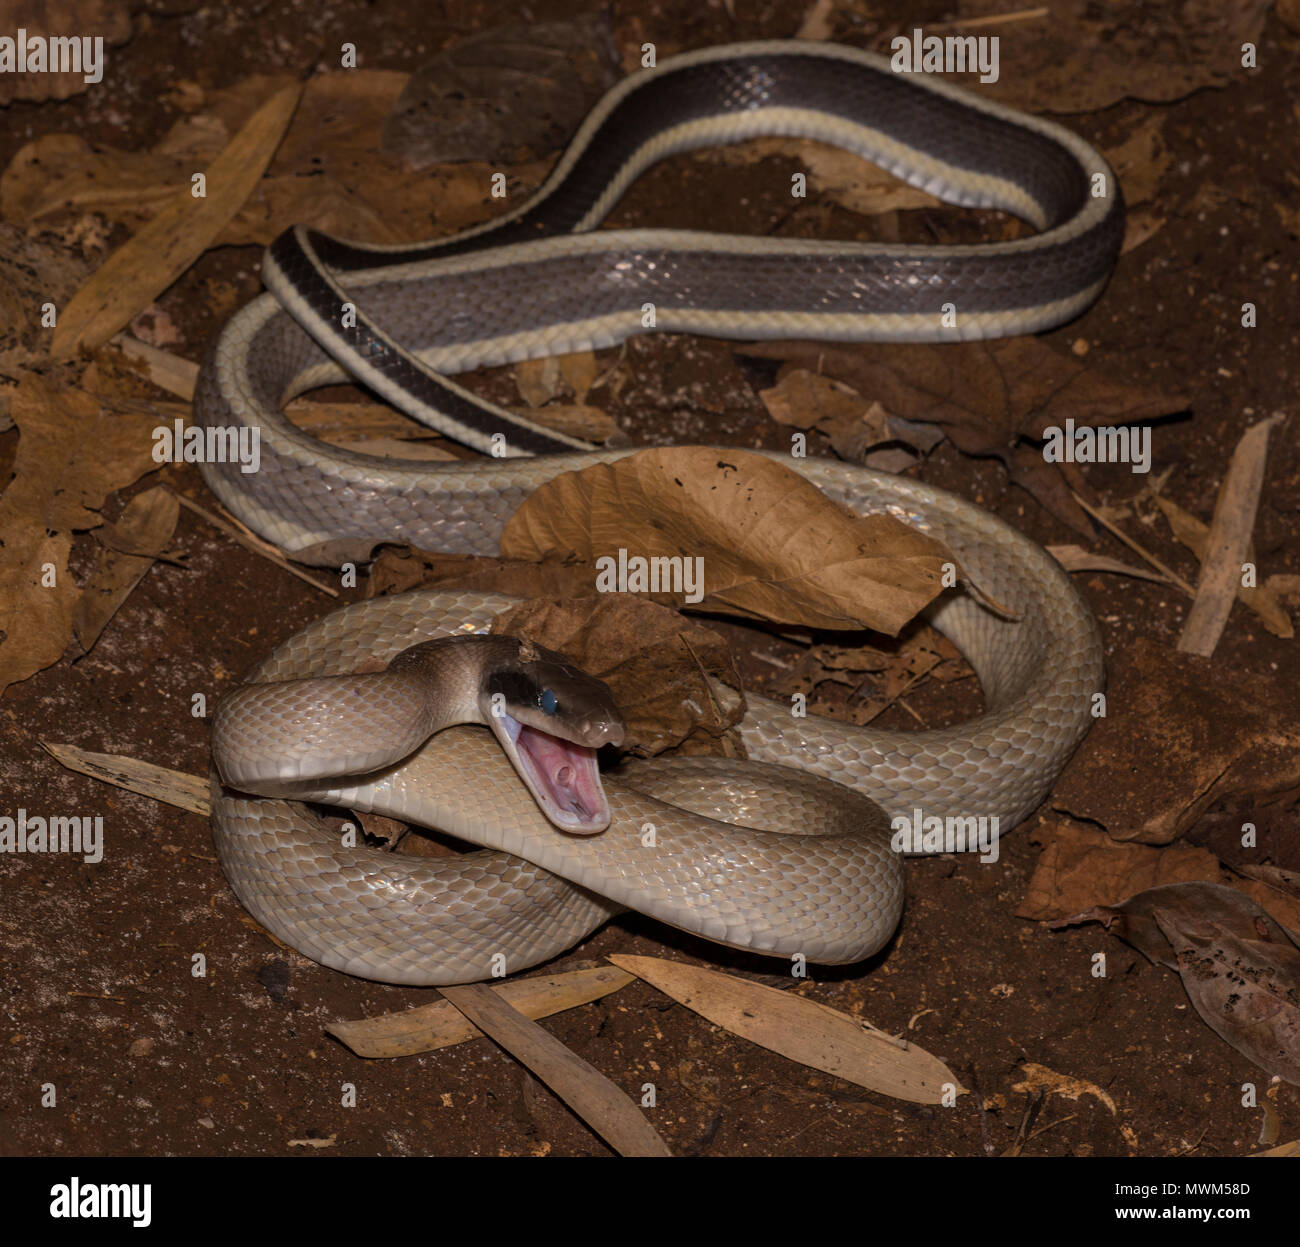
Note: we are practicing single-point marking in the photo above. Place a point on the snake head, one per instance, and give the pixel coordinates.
(550, 718)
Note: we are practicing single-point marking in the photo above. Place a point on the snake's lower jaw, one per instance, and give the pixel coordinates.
(563, 777)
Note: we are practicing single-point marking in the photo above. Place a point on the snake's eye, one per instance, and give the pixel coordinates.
(548, 701)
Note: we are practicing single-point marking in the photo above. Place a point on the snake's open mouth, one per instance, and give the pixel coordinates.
(562, 776)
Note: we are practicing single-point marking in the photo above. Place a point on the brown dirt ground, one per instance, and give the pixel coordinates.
(98, 958)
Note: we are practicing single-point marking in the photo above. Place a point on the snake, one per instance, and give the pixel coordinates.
(788, 853)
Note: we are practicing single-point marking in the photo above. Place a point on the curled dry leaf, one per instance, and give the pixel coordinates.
(128, 549)
(1076, 559)
(853, 426)
(34, 273)
(673, 679)
(1245, 988)
(769, 544)
(71, 455)
(1285, 881)
(1082, 866)
(1135, 922)
(1183, 736)
(1239, 965)
(987, 397)
(1039, 1078)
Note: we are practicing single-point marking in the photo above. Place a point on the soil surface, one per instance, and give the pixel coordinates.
(100, 996)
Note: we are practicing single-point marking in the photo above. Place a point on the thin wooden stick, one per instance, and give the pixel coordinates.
(254, 543)
(993, 19)
(1174, 577)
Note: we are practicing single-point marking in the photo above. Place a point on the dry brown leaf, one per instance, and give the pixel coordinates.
(1228, 541)
(1180, 735)
(1040, 1078)
(1090, 56)
(128, 549)
(107, 20)
(1244, 984)
(1286, 587)
(1292, 1148)
(1082, 867)
(57, 175)
(1140, 227)
(1137, 920)
(769, 544)
(988, 397)
(1142, 160)
(327, 173)
(540, 380)
(71, 455)
(803, 1030)
(140, 270)
(807, 400)
(818, 22)
(1285, 881)
(673, 679)
(1240, 966)
(439, 1025)
(345, 423)
(36, 274)
(1076, 559)
(1195, 535)
(579, 370)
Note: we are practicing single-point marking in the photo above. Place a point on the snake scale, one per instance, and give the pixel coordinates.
(800, 866)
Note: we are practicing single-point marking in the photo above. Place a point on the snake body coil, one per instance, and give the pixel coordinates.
(543, 280)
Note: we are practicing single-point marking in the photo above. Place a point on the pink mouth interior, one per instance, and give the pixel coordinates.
(564, 773)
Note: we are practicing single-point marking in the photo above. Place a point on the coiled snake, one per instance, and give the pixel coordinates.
(540, 280)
